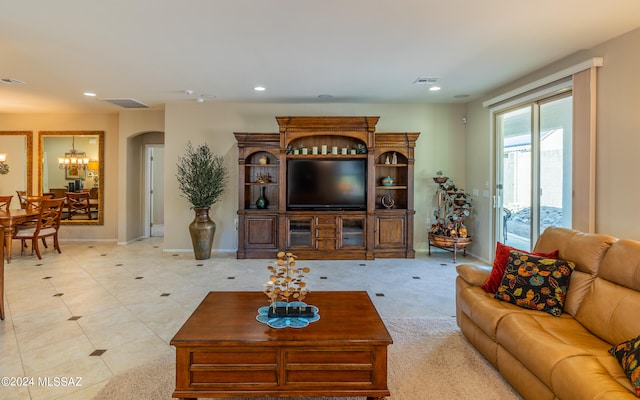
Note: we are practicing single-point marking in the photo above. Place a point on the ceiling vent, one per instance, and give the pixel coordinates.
(425, 81)
(11, 81)
(126, 103)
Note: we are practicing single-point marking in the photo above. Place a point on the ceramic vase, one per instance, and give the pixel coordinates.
(202, 230)
(262, 201)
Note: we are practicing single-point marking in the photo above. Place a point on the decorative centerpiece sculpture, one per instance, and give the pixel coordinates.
(286, 284)
(286, 289)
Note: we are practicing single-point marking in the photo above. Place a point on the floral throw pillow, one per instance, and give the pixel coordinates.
(628, 355)
(500, 264)
(535, 282)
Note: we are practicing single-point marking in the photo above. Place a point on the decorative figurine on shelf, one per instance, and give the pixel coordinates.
(386, 160)
(263, 160)
(394, 158)
(286, 282)
(360, 148)
(263, 178)
(388, 201)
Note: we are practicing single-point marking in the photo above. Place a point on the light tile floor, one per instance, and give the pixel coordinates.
(99, 309)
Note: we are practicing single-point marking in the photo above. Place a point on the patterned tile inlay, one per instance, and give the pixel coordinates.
(416, 277)
(58, 294)
(47, 277)
(97, 353)
(139, 277)
(74, 318)
(165, 294)
(323, 277)
(380, 294)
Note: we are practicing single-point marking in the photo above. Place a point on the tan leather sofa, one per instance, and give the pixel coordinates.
(566, 357)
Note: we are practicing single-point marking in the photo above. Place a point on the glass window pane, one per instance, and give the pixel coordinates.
(555, 163)
(516, 177)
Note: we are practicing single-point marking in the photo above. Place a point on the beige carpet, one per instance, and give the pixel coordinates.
(429, 359)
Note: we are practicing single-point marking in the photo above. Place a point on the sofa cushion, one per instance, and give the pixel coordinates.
(585, 250)
(500, 264)
(537, 283)
(628, 355)
(591, 377)
(480, 306)
(610, 311)
(540, 341)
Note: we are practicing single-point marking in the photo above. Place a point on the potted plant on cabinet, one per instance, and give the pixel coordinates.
(202, 178)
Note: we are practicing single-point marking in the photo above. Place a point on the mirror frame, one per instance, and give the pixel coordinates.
(29, 156)
(100, 135)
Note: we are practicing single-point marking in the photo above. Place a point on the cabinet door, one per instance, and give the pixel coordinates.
(261, 232)
(352, 232)
(300, 232)
(391, 231)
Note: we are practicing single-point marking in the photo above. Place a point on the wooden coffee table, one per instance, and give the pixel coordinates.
(223, 351)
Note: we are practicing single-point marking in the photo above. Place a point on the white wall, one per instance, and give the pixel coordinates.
(440, 146)
(618, 141)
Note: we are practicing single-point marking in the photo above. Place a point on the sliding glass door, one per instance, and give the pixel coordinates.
(534, 170)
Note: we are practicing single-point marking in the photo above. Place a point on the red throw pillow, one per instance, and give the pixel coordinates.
(500, 264)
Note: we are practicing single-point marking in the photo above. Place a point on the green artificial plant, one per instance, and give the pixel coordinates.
(202, 176)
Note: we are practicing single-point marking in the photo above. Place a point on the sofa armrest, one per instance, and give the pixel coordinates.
(475, 275)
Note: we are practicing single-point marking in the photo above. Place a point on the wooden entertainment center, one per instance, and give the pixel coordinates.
(372, 230)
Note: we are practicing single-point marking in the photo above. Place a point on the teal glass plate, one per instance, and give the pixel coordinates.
(284, 322)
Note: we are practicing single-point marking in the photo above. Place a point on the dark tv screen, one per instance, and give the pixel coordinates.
(326, 184)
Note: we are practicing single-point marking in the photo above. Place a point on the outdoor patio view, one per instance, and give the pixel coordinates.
(552, 158)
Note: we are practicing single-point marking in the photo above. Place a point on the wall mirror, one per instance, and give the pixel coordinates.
(73, 162)
(17, 148)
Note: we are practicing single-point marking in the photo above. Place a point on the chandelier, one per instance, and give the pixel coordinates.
(73, 159)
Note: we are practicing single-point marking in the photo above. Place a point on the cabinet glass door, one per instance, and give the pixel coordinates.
(352, 232)
(300, 232)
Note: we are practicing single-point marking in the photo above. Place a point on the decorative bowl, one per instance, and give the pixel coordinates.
(388, 181)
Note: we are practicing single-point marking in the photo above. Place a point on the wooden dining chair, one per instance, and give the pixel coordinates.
(47, 225)
(78, 204)
(32, 203)
(22, 198)
(5, 203)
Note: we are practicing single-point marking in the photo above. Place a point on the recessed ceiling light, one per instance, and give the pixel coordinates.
(259, 88)
(89, 94)
(434, 88)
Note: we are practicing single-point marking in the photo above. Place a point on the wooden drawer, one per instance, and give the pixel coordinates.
(326, 233)
(326, 220)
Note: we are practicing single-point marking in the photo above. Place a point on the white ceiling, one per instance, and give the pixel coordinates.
(353, 50)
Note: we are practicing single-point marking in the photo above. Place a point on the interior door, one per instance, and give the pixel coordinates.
(155, 190)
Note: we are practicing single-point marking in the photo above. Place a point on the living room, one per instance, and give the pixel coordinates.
(455, 138)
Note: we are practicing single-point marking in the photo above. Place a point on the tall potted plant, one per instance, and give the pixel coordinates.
(202, 178)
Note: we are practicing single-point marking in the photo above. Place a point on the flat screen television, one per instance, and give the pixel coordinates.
(327, 184)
